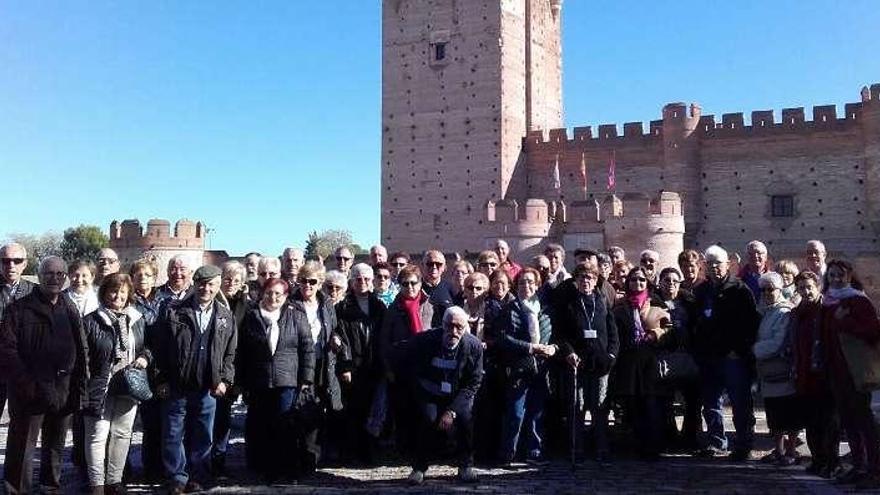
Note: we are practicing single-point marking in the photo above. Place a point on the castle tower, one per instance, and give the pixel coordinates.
(871, 130)
(462, 83)
(681, 161)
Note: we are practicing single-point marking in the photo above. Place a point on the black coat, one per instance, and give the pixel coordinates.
(176, 329)
(293, 363)
(102, 339)
(29, 363)
(415, 358)
(326, 382)
(726, 319)
(23, 288)
(360, 335)
(597, 354)
(396, 327)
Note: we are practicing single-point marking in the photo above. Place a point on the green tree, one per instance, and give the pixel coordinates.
(83, 242)
(38, 247)
(320, 246)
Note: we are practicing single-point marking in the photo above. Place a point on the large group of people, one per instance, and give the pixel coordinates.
(498, 362)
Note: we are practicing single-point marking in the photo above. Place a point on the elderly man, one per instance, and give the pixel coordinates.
(344, 259)
(13, 261)
(439, 290)
(178, 284)
(814, 258)
(649, 260)
(291, 261)
(251, 261)
(397, 261)
(43, 357)
(616, 253)
(726, 329)
(108, 264)
(502, 249)
(378, 254)
(756, 266)
(195, 362)
(556, 254)
(445, 368)
(268, 268)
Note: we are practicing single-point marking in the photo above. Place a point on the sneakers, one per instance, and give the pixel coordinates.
(416, 477)
(467, 475)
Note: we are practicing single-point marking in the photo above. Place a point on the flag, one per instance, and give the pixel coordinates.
(556, 183)
(612, 179)
(584, 173)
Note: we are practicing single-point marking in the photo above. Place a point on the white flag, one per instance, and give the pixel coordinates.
(556, 184)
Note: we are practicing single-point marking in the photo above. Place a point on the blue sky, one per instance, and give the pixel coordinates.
(262, 118)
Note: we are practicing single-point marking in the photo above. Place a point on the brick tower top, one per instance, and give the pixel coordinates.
(130, 234)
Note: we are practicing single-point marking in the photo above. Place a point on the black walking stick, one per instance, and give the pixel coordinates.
(573, 412)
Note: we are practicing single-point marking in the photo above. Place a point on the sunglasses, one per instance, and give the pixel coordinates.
(489, 264)
(383, 277)
(638, 279)
(410, 283)
(14, 261)
(308, 281)
(107, 261)
(434, 264)
(475, 287)
(398, 265)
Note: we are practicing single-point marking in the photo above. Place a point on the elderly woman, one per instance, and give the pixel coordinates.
(143, 274)
(115, 337)
(788, 270)
(235, 297)
(849, 326)
(313, 310)
(618, 277)
(587, 341)
(691, 265)
(811, 378)
(505, 262)
(359, 317)
(276, 359)
(773, 362)
(81, 292)
(487, 263)
(385, 288)
(460, 272)
(335, 285)
(476, 288)
(523, 345)
(643, 331)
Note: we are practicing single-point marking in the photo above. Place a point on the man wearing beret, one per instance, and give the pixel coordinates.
(197, 341)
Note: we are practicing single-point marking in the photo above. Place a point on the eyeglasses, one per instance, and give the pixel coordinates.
(308, 281)
(54, 274)
(383, 277)
(475, 287)
(671, 282)
(399, 264)
(268, 274)
(489, 264)
(14, 261)
(335, 288)
(343, 258)
(410, 283)
(108, 261)
(648, 260)
(434, 264)
(544, 268)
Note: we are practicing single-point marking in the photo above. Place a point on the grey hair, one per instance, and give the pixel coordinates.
(233, 268)
(501, 242)
(360, 270)
(655, 254)
(45, 261)
(289, 250)
(771, 279)
(717, 253)
(13, 246)
(452, 312)
(336, 277)
(614, 249)
(376, 248)
(181, 258)
(269, 261)
(756, 245)
(819, 245)
(554, 248)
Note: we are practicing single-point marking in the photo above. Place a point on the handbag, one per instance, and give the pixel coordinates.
(862, 360)
(677, 366)
(774, 370)
(131, 382)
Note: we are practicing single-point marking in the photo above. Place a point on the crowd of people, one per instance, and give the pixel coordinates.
(497, 363)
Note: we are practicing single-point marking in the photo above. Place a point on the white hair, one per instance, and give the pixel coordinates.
(335, 277)
(361, 270)
(179, 258)
(771, 279)
(267, 262)
(233, 268)
(717, 253)
(756, 246)
(815, 243)
(651, 252)
(292, 250)
(452, 312)
(379, 248)
(48, 259)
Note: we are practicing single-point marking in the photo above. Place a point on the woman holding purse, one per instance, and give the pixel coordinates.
(115, 336)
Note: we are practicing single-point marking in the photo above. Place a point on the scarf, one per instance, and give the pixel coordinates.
(121, 333)
(412, 307)
(532, 308)
(637, 299)
(271, 318)
(834, 296)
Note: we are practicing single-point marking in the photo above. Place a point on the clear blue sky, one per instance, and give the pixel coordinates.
(262, 118)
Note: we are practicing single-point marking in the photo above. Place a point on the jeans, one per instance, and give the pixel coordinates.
(733, 376)
(524, 416)
(430, 438)
(188, 415)
(107, 439)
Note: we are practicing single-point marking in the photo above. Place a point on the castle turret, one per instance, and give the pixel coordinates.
(871, 129)
(681, 158)
(649, 223)
(131, 242)
(524, 228)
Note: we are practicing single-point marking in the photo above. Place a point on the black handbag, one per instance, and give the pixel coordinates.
(131, 382)
(676, 366)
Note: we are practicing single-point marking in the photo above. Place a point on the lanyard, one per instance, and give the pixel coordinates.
(589, 314)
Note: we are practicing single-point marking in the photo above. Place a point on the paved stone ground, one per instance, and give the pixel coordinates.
(673, 474)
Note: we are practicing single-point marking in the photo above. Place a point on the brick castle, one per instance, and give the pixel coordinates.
(131, 242)
(472, 134)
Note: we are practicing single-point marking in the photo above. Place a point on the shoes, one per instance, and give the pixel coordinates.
(115, 489)
(772, 458)
(176, 489)
(416, 477)
(740, 455)
(829, 472)
(193, 487)
(786, 461)
(710, 452)
(850, 476)
(97, 490)
(467, 475)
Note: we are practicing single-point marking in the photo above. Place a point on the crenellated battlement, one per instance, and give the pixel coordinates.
(678, 116)
(130, 234)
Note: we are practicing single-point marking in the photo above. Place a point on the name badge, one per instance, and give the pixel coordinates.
(708, 312)
(446, 387)
(590, 334)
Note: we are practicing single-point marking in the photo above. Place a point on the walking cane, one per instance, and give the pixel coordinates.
(573, 412)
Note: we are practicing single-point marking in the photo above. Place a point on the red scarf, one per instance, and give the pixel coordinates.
(637, 299)
(413, 307)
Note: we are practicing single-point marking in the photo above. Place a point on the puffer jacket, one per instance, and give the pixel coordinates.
(40, 379)
(102, 340)
(293, 363)
(360, 335)
(512, 339)
(326, 382)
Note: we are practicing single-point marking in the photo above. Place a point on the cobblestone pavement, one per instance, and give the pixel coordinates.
(673, 474)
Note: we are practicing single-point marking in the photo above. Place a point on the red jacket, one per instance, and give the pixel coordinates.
(860, 320)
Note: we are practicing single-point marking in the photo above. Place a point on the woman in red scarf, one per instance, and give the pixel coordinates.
(643, 330)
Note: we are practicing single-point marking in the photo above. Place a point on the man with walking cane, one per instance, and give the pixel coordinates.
(587, 339)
